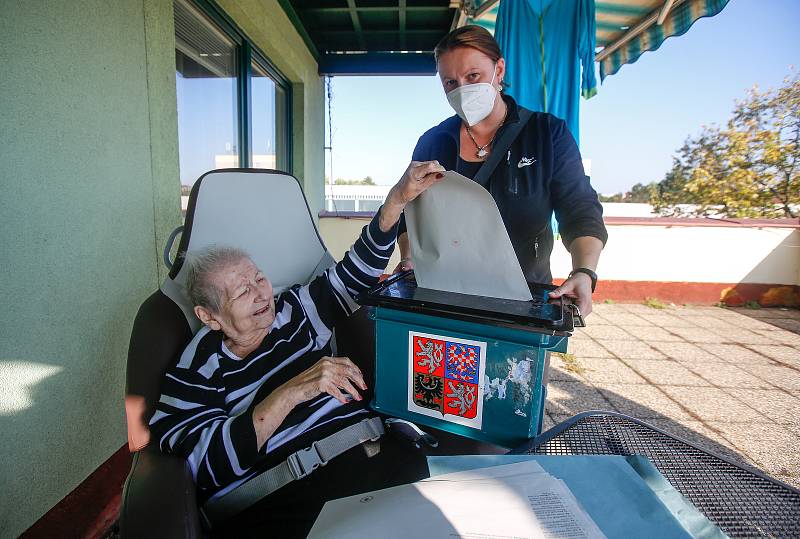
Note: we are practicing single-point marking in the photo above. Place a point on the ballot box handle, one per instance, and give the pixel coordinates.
(577, 317)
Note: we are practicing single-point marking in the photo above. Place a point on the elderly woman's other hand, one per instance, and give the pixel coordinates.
(331, 375)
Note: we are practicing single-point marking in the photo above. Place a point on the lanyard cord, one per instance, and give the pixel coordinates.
(542, 13)
(544, 70)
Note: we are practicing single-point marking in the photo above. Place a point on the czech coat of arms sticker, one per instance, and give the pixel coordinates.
(445, 378)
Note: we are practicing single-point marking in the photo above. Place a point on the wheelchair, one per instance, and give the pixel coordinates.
(264, 212)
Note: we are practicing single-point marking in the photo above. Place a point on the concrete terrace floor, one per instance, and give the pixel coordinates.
(727, 380)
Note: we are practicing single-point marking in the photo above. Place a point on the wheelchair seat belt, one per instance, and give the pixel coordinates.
(298, 465)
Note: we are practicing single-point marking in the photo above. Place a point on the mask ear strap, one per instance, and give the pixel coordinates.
(494, 75)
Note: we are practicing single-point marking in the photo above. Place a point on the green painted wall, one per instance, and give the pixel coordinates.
(89, 181)
(89, 176)
(265, 22)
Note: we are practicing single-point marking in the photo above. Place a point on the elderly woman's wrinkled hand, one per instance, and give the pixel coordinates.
(418, 177)
(332, 375)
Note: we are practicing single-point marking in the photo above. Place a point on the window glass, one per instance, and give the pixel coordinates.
(268, 110)
(262, 107)
(205, 61)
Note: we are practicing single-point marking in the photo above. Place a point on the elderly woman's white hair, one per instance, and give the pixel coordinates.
(203, 265)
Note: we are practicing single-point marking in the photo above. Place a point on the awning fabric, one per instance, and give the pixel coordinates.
(625, 29)
(678, 21)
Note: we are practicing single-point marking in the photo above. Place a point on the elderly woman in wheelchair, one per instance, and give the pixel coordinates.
(257, 402)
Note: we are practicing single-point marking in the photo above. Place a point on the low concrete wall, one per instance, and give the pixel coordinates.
(677, 260)
(695, 254)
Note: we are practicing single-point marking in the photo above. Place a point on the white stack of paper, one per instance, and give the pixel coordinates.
(513, 501)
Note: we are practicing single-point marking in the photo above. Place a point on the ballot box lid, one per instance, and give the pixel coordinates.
(401, 292)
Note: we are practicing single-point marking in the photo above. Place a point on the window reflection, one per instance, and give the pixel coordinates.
(268, 102)
(205, 61)
(264, 154)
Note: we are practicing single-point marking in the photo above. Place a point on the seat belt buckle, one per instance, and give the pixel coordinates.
(410, 433)
(376, 427)
(305, 461)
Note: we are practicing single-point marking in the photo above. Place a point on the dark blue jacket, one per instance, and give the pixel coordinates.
(528, 194)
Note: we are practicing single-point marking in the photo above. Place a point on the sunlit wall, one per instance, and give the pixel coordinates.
(89, 176)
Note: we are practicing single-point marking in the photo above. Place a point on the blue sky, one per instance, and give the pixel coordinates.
(630, 130)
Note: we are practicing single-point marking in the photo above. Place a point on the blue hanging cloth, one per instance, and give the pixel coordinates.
(545, 43)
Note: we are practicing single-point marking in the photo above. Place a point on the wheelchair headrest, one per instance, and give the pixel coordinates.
(263, 212)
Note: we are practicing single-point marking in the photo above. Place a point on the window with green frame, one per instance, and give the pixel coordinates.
(233, 105)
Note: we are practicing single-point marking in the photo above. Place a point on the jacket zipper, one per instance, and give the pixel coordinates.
(536, 242)
(512, 178)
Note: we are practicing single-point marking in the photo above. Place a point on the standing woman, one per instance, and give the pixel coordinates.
(539, 172)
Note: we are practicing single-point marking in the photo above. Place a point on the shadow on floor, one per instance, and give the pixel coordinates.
(576, 401)
(780, 317)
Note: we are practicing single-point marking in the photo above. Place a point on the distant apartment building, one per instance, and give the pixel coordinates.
(346, 198)
(259, 161)
(355, 197)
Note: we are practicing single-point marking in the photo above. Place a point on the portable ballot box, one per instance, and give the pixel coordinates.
(471, 365)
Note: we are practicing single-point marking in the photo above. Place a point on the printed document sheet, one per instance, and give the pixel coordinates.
(513, 501)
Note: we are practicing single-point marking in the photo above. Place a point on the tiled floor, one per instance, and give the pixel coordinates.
(725, 379)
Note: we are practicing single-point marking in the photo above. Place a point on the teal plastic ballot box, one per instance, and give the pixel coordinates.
(472, 365)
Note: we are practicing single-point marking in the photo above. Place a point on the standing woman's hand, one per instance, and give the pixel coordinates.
(579, 289)
(585, 251)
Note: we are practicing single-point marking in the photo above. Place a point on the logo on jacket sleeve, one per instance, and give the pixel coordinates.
(444, 378)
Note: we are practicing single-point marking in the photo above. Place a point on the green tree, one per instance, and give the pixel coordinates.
(616, 197)
(670, 196)
(641, 193)
(366, 181)
(748, 169)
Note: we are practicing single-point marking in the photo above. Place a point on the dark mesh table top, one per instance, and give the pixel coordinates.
(742, 501)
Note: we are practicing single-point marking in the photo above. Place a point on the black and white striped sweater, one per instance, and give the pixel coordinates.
(207, 398)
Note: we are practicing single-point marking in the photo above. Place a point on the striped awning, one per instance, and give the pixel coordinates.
(626, 29)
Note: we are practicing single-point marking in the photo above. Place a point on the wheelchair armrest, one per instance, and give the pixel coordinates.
(159, 498)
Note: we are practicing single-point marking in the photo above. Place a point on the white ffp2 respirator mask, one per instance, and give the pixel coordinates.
(473, 102)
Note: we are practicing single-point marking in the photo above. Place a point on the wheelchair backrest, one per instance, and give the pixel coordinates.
(263, 212)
